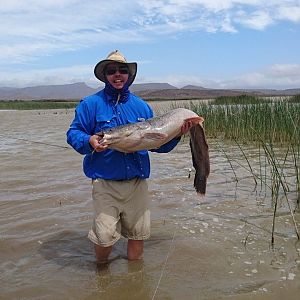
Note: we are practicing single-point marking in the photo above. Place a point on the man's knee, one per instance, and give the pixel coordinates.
(105, 231)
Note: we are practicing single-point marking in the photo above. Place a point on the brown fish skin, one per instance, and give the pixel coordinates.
(200, 157)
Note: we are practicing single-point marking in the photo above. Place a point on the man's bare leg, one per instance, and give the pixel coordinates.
(135, 249)
(102, 253)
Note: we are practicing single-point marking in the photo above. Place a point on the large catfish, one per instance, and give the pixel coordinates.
(154, 132)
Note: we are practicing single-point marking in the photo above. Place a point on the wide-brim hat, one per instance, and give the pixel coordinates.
(115, 56)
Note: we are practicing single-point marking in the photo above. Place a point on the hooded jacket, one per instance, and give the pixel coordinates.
(101, 111)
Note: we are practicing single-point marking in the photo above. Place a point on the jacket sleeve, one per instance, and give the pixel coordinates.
(81, 129)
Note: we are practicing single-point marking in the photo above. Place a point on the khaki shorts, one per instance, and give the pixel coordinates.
(121, 208)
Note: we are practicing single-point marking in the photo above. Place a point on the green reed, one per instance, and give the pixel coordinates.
(34, 104)
(268, 125)
(278, 181)
(274, 122)
(295, 99)
(252, 99)
(242, 99)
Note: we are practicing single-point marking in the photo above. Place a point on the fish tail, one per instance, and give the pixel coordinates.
(200, 182)
(200, 157)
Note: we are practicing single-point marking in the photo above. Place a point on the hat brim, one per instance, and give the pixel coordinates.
(100, 67)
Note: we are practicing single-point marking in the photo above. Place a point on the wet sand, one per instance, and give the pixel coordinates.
(217, 247)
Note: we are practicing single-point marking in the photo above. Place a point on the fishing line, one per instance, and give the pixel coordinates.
(42, 143)
(164, 266)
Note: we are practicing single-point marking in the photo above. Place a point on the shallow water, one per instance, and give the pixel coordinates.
(217, 247)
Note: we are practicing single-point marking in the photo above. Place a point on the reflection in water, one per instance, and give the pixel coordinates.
(221, 246)
(125, 280)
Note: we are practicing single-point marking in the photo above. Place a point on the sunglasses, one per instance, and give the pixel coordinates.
(113, 70)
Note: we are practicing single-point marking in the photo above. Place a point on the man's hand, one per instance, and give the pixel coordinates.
(94, 141)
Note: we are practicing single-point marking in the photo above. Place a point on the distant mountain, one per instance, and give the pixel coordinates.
(66, 91)
(270, 92)
(193, 87)
(147, 91)
(151, 86)
(176, 94)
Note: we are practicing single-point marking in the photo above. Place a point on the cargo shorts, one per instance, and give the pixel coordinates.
(121, 209)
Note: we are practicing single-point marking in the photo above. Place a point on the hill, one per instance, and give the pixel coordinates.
(64, 92)
(147, 91)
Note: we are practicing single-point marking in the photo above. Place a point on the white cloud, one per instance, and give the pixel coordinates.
(19, 78)
(278, 76)
(30, 28)
(176, 80)
(36, 28)
(290, 13)
(258, 20)
(283, 71)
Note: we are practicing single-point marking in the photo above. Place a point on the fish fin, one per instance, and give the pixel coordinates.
(200, 157)
(155, 136)
(195, 120)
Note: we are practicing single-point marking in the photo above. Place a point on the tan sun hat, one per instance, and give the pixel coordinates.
(115, 56)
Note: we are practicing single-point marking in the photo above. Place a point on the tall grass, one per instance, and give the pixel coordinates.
(30, 105)
(275, 122)
(269, 125)
(252, 99)
(242, 99)
(295, 99)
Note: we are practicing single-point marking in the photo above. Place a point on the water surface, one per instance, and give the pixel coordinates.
(217, 247)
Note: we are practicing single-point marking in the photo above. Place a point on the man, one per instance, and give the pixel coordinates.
(120, 191)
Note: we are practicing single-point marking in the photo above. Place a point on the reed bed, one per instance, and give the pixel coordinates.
(273, 128)
(242, 99)
(32, 105)
(274, 122)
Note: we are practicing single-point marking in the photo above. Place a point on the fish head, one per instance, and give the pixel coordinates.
(114, 135)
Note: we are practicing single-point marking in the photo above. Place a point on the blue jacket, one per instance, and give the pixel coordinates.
(104, 110)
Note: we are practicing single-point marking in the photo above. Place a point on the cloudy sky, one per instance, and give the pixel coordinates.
(211, 43)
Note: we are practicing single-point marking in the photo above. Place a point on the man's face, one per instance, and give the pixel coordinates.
(117, 74)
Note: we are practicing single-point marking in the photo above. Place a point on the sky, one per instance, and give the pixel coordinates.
(208, 43)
